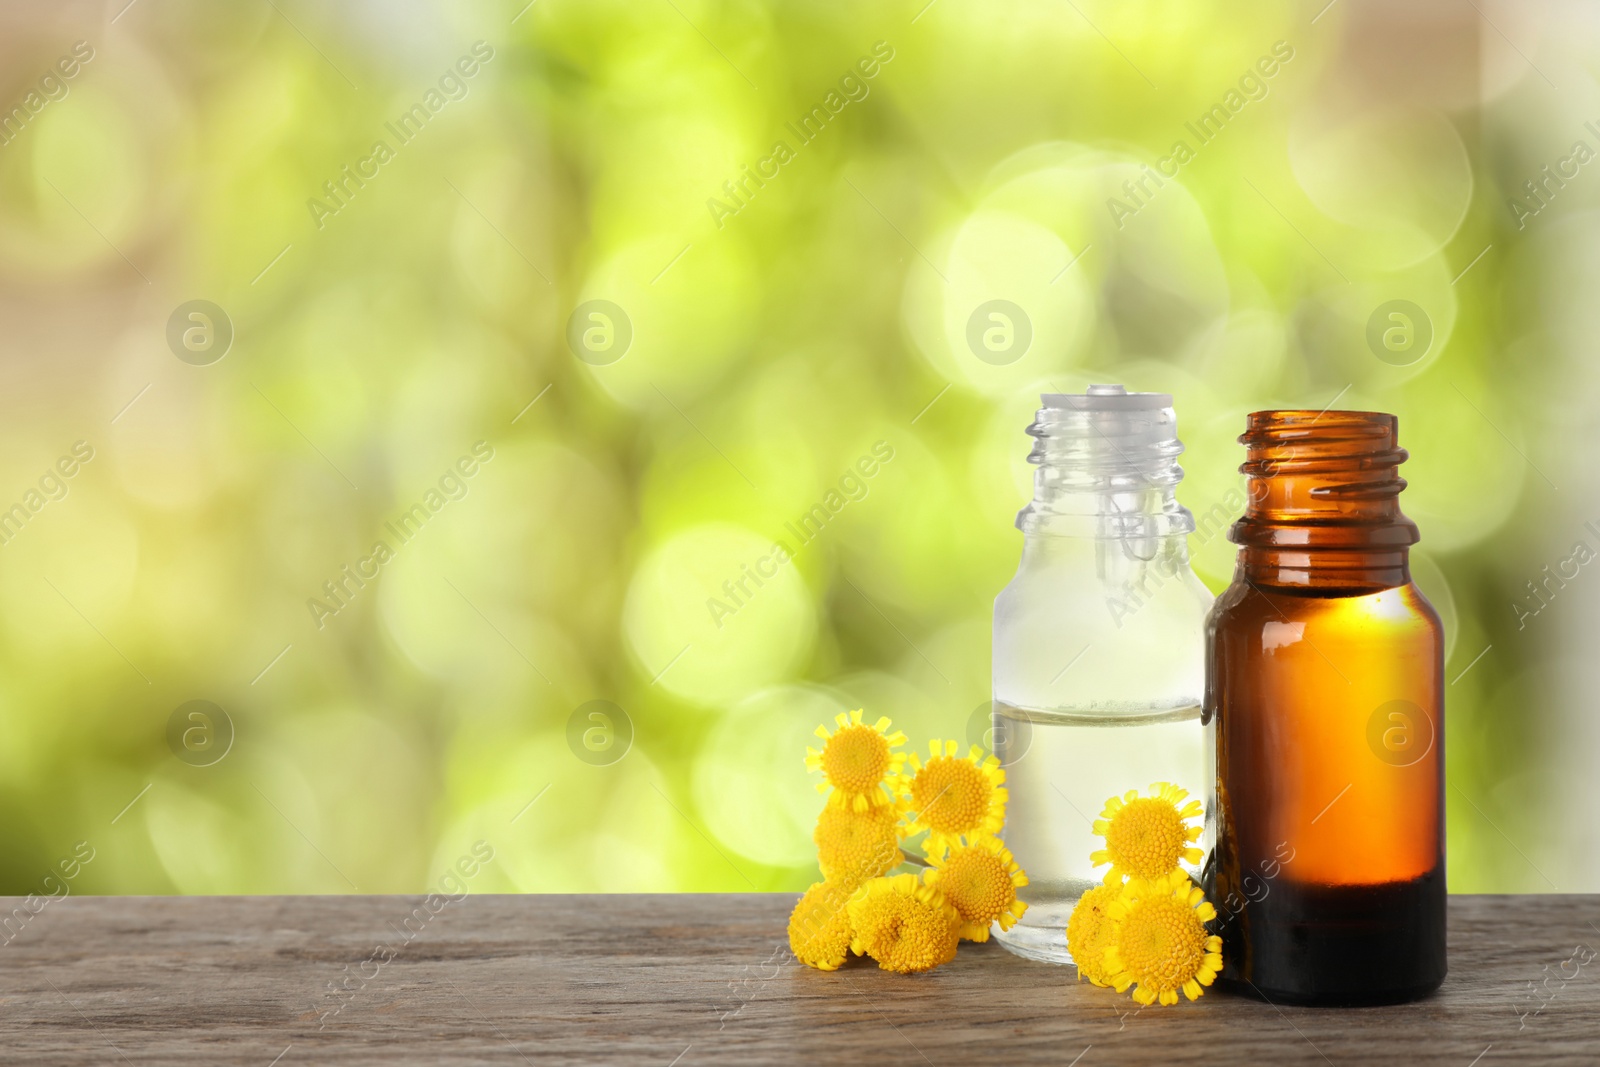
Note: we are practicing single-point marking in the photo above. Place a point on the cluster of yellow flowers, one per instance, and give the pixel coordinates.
(906, 922)
(1146, 924)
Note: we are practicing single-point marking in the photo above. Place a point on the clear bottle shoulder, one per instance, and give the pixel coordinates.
(1101, 624)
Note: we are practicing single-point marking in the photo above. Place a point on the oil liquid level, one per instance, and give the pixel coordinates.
(1061, 767)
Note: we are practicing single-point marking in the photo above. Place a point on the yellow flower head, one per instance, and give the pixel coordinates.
(980, 880)
(1147, 836)
(856, 760)
(1090, 931)
(903, 924)
(951, 795)
(853, 846)
(1160, 941)
(819, 926)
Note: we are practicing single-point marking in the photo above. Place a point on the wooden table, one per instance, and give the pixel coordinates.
(664, 980)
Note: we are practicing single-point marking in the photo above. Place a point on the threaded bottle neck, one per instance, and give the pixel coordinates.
(1324, 499)
(1107, 464)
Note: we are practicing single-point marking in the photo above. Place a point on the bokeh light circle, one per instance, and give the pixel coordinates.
(757, 750)
(1400, 174)
(715, 612)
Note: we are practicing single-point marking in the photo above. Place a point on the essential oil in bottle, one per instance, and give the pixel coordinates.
(1098, 646)
(1325, 672)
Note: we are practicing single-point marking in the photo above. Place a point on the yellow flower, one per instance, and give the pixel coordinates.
(1147, 836)
(856, 760)
(952, 795)
(903, 924)
(1090, 931)
(1160, 941)
(819, 926)
(980, 880)
(853, 846)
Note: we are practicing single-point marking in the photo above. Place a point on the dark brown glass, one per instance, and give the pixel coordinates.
(1324, 672)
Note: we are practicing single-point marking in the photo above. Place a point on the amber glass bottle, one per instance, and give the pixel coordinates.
(1324, 672)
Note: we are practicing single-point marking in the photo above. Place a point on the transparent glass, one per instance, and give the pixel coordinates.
(1326, 678)
(1098, 646)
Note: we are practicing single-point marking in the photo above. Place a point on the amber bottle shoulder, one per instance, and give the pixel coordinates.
(1245, 602)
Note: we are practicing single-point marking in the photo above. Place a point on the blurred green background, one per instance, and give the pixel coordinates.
(758, 336)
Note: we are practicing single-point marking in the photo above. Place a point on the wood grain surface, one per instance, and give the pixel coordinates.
(683, 980)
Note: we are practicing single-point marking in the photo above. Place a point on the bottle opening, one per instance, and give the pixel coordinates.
(1107, 398)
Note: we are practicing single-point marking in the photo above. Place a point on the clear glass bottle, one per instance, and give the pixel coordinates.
(1327, 683)
(1098, 646)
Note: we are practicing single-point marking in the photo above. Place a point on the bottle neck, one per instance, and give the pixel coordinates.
(1324, 509)
(1354, 571)
(1042, 548)
(1107, 469)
